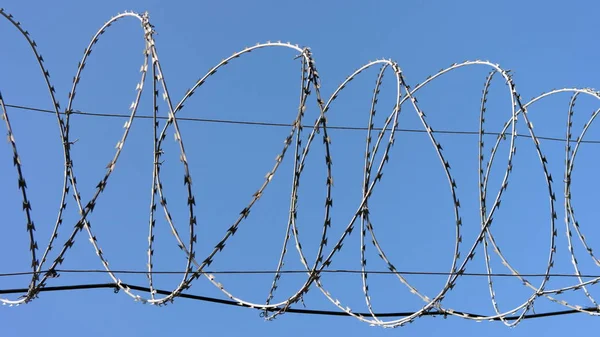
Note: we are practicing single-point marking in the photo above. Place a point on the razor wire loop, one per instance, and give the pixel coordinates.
(310, 83)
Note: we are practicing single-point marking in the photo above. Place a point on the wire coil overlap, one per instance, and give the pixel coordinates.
(378, 145)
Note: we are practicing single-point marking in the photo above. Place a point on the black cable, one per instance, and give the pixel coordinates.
(270, 272)
(272, 124)
(115, 288)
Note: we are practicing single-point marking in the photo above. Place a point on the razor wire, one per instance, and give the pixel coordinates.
(379, 144)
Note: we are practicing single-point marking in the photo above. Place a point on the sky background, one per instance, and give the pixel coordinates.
(547, 45)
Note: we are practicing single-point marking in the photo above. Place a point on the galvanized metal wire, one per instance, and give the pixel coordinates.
(376, 146)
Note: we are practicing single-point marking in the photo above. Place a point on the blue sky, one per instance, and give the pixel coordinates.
(546, 46)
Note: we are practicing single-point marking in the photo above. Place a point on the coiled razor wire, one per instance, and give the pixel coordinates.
(372, 174)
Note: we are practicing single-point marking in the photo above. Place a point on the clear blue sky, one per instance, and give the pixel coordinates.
(546, 44)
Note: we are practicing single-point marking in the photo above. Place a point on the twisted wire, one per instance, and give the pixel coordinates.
(380, 147)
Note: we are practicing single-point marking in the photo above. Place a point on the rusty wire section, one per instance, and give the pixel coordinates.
(372, 174)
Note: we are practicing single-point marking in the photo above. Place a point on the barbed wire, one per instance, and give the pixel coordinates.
(377, 146)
